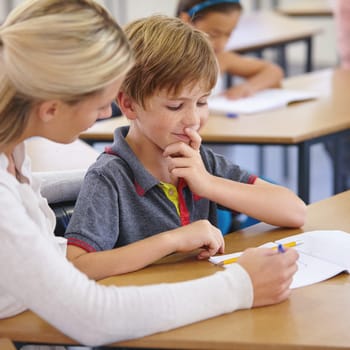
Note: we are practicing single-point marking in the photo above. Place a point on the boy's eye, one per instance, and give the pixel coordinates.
(202, 103)
(174, 108)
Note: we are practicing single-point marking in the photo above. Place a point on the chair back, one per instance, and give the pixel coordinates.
(63, 212)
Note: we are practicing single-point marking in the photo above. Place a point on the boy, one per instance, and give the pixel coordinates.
(156, 190)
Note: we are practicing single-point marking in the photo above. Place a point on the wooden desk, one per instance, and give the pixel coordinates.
(315, 317)
(51, 156)
(307, 8)
(302, 125)
(6, 344)
(324, 120)
(257, 31)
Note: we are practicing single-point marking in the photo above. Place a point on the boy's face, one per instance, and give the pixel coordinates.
(166, 117)
(219, 27)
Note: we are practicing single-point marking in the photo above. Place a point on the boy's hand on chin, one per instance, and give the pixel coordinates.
(184, 161)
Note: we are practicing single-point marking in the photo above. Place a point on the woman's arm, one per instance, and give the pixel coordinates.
(34, 273)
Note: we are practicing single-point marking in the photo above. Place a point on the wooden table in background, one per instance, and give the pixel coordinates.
(302, 125)
(326, 119)
(314, 317)
(260, 30)
(51, 156)
(307, 8)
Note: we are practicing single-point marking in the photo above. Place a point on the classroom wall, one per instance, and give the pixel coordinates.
(325, 53)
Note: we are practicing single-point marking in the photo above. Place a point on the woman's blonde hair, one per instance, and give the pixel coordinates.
(170, 55)
(54, 49)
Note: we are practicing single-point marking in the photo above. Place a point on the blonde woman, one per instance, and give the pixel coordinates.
(61, 65)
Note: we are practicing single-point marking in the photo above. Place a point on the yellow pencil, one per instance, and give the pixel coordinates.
(289, 244)
(285, 245)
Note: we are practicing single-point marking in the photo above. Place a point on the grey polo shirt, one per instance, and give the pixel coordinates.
(120, 202)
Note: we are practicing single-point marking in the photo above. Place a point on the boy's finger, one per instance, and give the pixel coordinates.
(177, 149)
(196, 140)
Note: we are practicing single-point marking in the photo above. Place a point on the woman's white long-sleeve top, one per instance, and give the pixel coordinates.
(35, 275)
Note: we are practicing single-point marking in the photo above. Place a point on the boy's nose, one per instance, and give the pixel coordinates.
(192, 120)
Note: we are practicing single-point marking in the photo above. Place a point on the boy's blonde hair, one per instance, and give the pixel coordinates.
(54, 49)
(170, 55)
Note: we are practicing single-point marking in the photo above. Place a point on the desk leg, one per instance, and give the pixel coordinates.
(261, 160)
(338, 183)
(309, 65)
(304, 171)
(282, 58)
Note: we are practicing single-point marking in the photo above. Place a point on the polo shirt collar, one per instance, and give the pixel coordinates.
(144, 181)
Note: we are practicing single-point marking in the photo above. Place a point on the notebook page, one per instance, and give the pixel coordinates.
(322, 255)
(313, 270)
(329, 245)
(264, 100)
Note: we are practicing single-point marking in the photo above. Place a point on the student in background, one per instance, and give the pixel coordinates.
(218, 18)
(61, 65)
(147, 195)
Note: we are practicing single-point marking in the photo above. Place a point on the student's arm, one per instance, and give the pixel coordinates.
(134, 256)
(273, 204)
(258, 74)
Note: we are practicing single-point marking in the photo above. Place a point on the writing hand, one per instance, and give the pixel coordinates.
(271, 273)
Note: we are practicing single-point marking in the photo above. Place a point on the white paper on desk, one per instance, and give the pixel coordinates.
(323, 254)
(264, 100)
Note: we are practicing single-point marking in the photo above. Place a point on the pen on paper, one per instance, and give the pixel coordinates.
(280, 247)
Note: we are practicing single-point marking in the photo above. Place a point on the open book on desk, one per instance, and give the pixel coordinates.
(322, 255)
(262, 101)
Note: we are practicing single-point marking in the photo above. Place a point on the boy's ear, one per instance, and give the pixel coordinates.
(185, 17)
(126, 105)
(47, 110)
